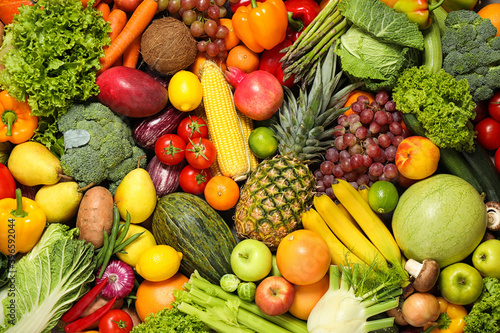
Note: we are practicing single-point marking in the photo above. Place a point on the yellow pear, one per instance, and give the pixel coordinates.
(31, 164)
(136, 194)
(60, 201)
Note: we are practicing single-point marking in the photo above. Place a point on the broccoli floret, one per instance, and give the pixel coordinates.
(484, 317)
(472, 51)
(108, 155)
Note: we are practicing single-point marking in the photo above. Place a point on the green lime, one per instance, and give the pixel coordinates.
(383, 196)
(262, 142)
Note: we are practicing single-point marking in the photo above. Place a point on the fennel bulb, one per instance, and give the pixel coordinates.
(355, 294)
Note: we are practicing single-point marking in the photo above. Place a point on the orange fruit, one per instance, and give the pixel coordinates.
(303, 257)
(200, 59)
(353, 97)
(242, 57)
(231, 40)
(307, 296)
(222, 193)
(155, 296)
(492, 12)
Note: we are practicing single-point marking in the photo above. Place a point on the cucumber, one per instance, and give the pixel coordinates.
(450, 159)
(485, 172)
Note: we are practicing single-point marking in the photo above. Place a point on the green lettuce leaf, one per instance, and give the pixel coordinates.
(47, 281)
(383, 22)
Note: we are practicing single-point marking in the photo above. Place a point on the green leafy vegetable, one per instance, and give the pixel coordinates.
(51, 55)
(4, 269)
(383, 22)
(373, 61)
(484, 317)
(441, 104)
(48, 280)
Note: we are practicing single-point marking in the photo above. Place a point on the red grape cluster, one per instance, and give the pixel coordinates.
(202, 18)
(365, 145)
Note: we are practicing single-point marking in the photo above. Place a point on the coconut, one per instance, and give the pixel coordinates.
(167, 46)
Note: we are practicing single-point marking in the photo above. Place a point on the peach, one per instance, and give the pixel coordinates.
(417, 157)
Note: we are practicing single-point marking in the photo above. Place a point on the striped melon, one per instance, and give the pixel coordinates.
(442, 218)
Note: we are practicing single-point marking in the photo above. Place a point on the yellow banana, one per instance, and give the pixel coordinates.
(363, 190)
(368, 220)
(346, 213)
(347, 233)
(311, 220)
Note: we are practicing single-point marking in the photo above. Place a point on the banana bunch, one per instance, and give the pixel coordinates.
(354, 232)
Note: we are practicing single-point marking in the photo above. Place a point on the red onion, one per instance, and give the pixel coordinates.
(420, 309)
(121, 279)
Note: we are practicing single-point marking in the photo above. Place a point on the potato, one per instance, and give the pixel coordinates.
(94, 214)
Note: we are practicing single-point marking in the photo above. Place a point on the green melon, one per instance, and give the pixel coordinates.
(442, 218)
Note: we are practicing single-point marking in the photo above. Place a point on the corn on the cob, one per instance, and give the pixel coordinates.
(224, 125)
(247, 125)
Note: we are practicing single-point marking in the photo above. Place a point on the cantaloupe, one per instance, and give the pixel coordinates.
(442, 218)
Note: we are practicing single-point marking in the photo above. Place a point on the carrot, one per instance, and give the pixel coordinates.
(137, 23)
(131, 54)
(104, 9)
(117, 19)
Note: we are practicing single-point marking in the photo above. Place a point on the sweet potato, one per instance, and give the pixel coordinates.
(95, 214)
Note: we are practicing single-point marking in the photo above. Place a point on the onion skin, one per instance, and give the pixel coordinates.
(165, 177)
(421, 309)
(121, 279)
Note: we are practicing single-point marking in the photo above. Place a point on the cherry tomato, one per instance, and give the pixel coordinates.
(194, 180)
(494, 106)
(192, 127)
(170, 149)
(488, 133)
(115, 321)
(200, 153)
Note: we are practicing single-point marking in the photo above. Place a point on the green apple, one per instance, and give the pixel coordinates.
(486, 258)
(251, 260)
(460, 283)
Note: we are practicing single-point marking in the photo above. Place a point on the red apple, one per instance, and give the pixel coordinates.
(128, 5)
(417, 157)
(274, 295)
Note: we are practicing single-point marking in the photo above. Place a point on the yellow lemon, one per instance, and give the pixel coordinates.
(184, 91)
(137, 247)
(158, 263)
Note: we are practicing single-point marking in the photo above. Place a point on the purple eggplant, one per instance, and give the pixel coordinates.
(165, 177)
(148, 130)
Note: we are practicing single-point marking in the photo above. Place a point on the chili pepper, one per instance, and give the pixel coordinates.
(270, 62)
(417, 11)
(300, 15)
(22, 222)
(7, 183)
(261, 25)
(83, 323)
(451, 5)
(76, 310)
(451, 318)
(17, 123)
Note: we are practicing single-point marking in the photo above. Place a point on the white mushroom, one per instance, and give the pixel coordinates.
(493, 210)
(426, 273)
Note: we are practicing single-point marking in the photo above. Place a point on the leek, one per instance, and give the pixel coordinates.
(355, 294)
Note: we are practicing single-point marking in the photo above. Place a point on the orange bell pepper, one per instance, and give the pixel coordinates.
(261, 25)
(17, 125)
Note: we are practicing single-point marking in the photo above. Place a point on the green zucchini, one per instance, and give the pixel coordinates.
(485, 171)
(450, 159)
(188, 224)
(432, 56)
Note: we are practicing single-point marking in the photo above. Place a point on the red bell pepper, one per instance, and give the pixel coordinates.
(300, 14)
(7, 183)
(270, 62)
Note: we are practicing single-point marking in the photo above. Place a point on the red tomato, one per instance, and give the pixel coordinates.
(192, 127)
(170, 149)
(115, 321)
(200, 153)
(494, 106)
(194, 180)
(488, 133)
(7, 183)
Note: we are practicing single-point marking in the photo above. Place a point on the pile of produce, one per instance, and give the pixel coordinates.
(234, 166)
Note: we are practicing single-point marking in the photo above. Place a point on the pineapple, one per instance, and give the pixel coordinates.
(281, 188)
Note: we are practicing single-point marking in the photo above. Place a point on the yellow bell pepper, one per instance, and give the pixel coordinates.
(451, 318)
(261, 25)
(22, 222)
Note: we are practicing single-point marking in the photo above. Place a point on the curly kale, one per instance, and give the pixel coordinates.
(472, 52)
(105, 149)
(484, 317)
(443, 106)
